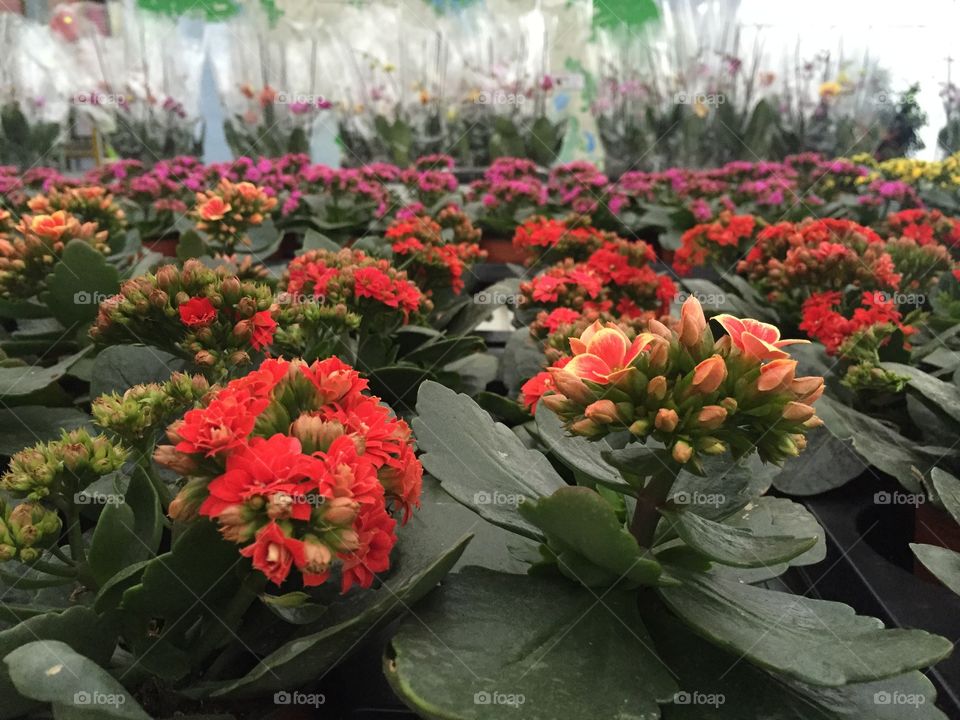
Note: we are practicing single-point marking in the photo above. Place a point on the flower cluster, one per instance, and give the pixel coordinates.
(299, 466)
(572, 237)
(616, 278)
(226, 213)
(28, 255)
(722, 242)
(135, 415)
(25, 530)
(856, 329)
(371, 288)
(435, 265)
(429, 185)
(62, 467)
(926, 227)
(208, 316)
(555, 329)
(680, 387)
(89, 203)
(507, 186)
(791, 260)
(919, 266)
(577, 186)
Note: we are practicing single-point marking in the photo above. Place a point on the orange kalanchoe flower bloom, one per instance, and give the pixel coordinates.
(603, 354)
(756, 339)
(213, 209)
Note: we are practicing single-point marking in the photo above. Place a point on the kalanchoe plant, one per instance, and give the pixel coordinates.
(208, 317)
(226, 214)
(646, 566)
(300, 467)
(89, 203)
(36, 244)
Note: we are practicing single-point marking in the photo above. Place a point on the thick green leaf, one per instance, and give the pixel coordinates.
(492, 645)
(479, 462)
(721, 686)
(190, 245)
(128, 531)
(948, 489)
(826, 463)
(27, 425)
(945, 395)
(79, 627)
(502, 409)
(736, 546)
(20, 381)
(942, 562)
(120, 367)
(445, 351)
(877, 444)
(577, 452)
(199, 576)
(78, 688)
(307, 657)
(79, 283)
(313, 240)
(522, 359)
(577, 520)
(814, 641)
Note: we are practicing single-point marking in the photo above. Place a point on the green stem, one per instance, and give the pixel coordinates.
(643, 526)
(52, 569)
(75, 534)
(164, 493)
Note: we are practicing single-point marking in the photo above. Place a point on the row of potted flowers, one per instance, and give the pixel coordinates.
(245, 501)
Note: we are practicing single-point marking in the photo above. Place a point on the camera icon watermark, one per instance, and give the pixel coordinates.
(95, 497)
(498, 498)
(487, 697)
(885, 697)
(498, 97)
(284, 697)
(897, 497)
(87, 698)
(699, 498)
(900, 298)
(705, 299)
(99, 99)
(714, 700)
(699, 98)
(486, 297)
(83, 297)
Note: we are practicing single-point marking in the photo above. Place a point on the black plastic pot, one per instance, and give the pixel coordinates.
(869, 566)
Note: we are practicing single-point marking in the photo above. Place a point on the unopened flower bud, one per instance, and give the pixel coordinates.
(709, 375)
(682, 452)
(730, 405)
(797, 412)
(558, 404)
(711, 446)
(205, 358)
(666, 420)
(236, 523)
(711, 417)
(587, 428)
(340, 511)
(603, 412)
(169, 456)
(314, 433)
(572, 387)
(280, 506)
(692, 322)
(640, 428)
(317, 556)
(657, 388)
(658, 328)
(776, 374)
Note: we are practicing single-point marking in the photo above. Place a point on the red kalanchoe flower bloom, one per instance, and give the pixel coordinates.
(274, 553)
(264, 327)
(601, 354)
(197, 312)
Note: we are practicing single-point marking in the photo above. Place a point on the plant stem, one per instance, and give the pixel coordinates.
(53, 569)
(643, 526)
(164, 494)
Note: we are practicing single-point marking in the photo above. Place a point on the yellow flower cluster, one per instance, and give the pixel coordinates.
(942, 173)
